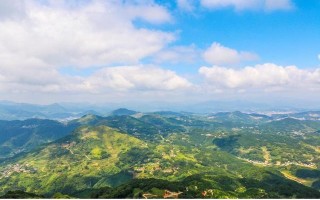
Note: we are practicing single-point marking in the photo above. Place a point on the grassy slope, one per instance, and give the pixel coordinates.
(17, 136)
(100, 156)
(96, 157)
(71, 163)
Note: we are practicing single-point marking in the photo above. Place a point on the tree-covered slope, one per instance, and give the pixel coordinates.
(69, 164)
(18, 136)
(95, 157)
(161, 154)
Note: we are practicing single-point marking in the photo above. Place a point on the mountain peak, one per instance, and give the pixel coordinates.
(123, 111)
(88, 118)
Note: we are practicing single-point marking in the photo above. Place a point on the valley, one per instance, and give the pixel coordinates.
(166, 154)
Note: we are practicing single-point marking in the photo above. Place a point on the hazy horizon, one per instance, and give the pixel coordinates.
(195, 107)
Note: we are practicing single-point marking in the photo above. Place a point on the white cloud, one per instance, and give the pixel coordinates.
(32, 76)
(237, 4)
(271, 5)
(150, 12)
(187, 5)
(12, 9)
(217, 54)
(36, 40)
(41, 79)
(178, 54)
(135, 78)
(96, 33)
(266, 76)
(267, 5)
(319, 56)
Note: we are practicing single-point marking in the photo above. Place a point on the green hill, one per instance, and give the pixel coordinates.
(123, 111)
(95, 157)
(75, 162)
(154, 155)
(209, 185)
(19, 136)
(150, 127)
(20, 195)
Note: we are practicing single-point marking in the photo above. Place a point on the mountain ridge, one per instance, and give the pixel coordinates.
(104, 155)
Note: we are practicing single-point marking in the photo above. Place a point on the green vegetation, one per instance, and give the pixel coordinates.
(20, 195)
(166, 154)
(19, 136)
(208, 185)
(123, 111)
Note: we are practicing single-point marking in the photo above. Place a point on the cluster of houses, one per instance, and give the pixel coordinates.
(18, 168)
(309, 165)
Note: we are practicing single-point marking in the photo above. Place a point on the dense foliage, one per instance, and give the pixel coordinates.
(166, 154)
(19, 136)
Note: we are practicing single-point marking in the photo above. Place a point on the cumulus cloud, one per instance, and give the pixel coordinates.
(178, 54)
(31, 77)
(268, 5)
(38, 38)
(121, 78)
(187, 5)
(271, 5)
(96, 33)
(264, 76)
(135, 78)
(152, 13)
(217, 54)
(12, 9)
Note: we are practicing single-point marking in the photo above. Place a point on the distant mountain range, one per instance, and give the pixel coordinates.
(68, 111)
(23, 135)
(20, 111)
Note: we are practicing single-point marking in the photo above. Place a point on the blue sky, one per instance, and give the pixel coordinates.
(285, 37)
(150, 50)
